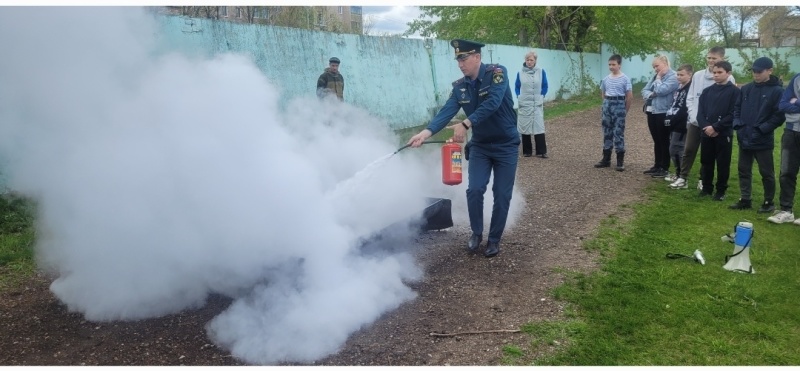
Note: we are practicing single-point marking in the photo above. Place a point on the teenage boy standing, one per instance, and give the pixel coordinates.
(715, 120)
(617, 92)
(700, 81)
(676, 119)
(790, 152)
(755, 117)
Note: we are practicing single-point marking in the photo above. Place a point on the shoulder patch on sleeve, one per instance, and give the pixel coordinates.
(498, 78)
(497, 73)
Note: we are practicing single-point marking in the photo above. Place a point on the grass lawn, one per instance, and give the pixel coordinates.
(644, 309)
(16, 240)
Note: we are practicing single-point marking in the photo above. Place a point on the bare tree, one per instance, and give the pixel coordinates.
(718, 18)
(732, 24)
(368, 25)
(307, 17)
(779, 26)
(200, 11)
(748, 15)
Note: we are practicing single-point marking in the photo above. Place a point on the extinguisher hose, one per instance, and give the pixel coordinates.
(428, 142)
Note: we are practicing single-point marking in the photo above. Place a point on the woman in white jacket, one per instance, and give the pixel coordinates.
(531, 87)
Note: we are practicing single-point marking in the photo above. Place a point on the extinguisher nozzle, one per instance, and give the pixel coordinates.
(428, 142)
(402, 148)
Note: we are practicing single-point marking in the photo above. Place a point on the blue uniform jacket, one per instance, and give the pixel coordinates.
(488, 104)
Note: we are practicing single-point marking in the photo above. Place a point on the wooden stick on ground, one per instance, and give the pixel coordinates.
(471, 333)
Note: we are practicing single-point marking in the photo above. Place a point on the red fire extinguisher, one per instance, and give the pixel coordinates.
(451, 163)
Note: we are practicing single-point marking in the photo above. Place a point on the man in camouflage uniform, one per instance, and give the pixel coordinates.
(331, 81)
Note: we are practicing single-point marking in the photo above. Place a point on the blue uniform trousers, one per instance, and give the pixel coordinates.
(483, 160)
(613, 124)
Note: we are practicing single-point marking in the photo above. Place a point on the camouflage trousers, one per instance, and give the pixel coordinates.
(614, 124)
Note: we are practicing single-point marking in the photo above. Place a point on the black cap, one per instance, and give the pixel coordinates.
(762, 64)
(465, 47)
(334, 60)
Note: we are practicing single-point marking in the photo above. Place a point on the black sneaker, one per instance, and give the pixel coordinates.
(718, 196)
(766, 207)
(704, 194)
(661, 173)
(651, 170)
(741, 205)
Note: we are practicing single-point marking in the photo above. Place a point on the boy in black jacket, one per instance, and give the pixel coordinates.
(677, 118)
(755, 118)
(715, 120)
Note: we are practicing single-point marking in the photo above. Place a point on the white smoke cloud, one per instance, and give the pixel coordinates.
(162, 179)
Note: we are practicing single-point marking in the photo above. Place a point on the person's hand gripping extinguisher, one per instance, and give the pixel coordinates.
(459, 134)
(451, 152)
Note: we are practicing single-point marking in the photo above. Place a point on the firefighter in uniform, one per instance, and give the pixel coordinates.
(485, 95)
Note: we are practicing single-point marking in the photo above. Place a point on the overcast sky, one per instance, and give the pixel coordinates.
(390, 19)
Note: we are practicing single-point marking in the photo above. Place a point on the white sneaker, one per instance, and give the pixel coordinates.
(679, 183)
(671, 178)
(699, 185)
(796, 221)
(781, 217)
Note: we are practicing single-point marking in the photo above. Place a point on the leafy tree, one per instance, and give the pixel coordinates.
(631, 30)
(641, 30)
(693, 52)
(781, 62)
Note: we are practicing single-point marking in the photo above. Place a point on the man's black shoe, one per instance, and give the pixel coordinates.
(492, 249)
(741, 205)
(704, 194)
(718, 196)
(474, 242)
(767, 207)
(651, 170)
(661, 173)
(544, 155)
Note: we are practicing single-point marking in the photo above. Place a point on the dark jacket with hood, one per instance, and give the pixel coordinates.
(330, 83)
(678, 114)
(715, 108)
(756, 115)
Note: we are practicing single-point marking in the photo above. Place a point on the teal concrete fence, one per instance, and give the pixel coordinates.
(403, 81)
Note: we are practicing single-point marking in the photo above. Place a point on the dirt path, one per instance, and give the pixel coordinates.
(566, 200)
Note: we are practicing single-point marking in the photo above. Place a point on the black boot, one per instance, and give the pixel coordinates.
(742, 204)
(474, 243)
(606, 161)
(492, 249)
(527, 146)
(620, 161)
